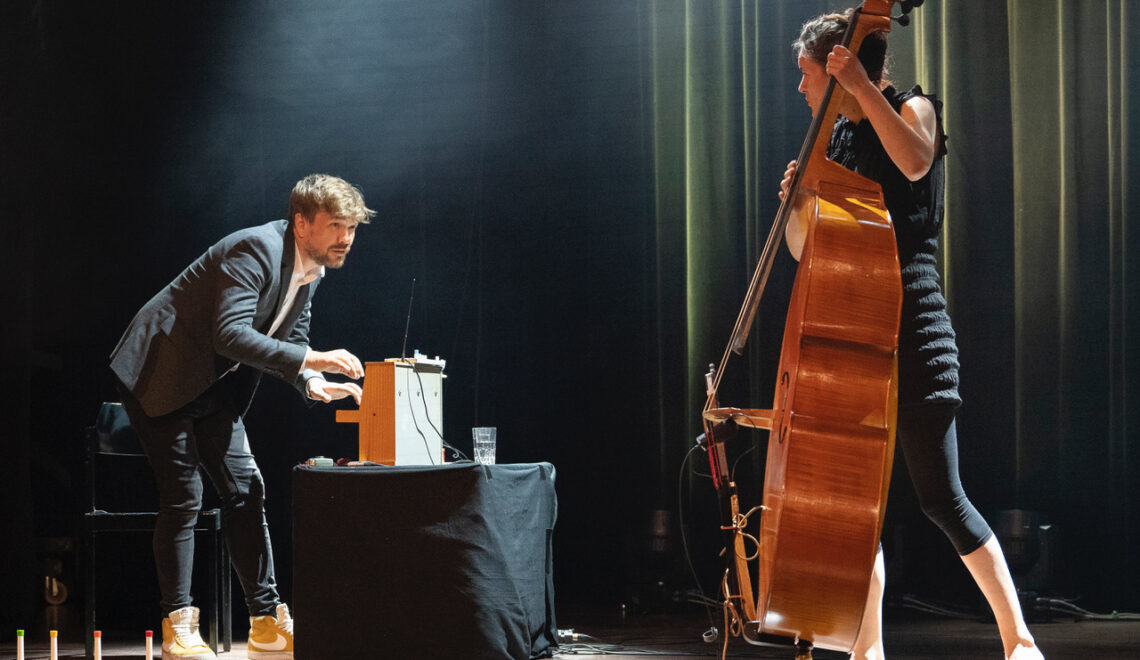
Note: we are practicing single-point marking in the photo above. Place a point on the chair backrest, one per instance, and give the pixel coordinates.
(113, 431)
(118, 475)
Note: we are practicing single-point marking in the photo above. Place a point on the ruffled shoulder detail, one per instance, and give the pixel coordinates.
(897, 99)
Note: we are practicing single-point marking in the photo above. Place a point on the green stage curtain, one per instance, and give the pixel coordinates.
(1044, 135)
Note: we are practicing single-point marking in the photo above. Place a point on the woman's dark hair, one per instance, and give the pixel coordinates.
(822, 33)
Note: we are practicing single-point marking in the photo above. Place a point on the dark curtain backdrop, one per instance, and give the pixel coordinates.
(580, 190)
(1035, 251)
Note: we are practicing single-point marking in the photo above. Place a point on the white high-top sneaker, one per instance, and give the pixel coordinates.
(181, 639)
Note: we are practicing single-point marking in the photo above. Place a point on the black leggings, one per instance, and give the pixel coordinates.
(930, 445)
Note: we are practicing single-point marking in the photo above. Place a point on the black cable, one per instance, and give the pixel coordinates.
(427, 414)
(737, 461)
(599, 648)
(684, 538)
(1065, 606)
(910, 601)
(412, 410)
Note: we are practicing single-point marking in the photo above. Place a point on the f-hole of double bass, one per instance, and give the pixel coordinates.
(782, 407)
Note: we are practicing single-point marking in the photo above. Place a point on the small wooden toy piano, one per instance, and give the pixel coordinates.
(401, 411)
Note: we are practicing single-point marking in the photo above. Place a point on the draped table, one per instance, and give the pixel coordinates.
(449, 561)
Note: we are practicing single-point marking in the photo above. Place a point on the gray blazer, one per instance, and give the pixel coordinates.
(214, 316)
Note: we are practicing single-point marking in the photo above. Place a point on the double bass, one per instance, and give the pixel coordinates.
(831, 428)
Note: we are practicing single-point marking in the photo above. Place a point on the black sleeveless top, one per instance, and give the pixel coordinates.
(928, 354)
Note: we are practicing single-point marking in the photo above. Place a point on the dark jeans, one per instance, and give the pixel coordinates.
(206, 433)
(929, 440)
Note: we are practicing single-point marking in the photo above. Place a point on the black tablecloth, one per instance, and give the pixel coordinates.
(424, 562)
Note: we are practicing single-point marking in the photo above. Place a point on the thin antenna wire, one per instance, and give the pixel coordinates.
(408, 323)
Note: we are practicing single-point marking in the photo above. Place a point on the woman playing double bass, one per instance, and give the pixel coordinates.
(895, 138)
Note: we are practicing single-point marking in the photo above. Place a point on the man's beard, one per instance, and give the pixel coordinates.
(328, 258)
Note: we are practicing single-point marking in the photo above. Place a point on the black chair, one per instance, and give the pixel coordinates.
(114, 457)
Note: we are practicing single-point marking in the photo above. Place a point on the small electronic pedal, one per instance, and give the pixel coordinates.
(319, 461)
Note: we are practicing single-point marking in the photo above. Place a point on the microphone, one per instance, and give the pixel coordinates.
(404, 359)
(408, 323)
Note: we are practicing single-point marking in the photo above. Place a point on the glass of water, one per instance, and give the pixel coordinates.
(483, 439)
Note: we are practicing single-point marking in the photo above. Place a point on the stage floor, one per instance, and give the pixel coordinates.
(909, 636)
